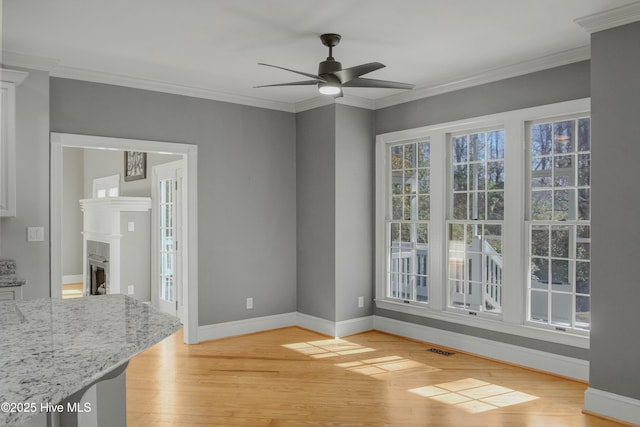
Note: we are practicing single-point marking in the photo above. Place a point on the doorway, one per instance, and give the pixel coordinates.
(189, 178)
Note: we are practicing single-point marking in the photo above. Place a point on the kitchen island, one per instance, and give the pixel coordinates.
(65, 360)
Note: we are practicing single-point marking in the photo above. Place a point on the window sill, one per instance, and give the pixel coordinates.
(565, 338)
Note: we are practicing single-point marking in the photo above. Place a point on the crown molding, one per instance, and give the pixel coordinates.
(56, 70)
(12, 76)
(160, 86)
(489, 76)
(14, 59)
(610, 18)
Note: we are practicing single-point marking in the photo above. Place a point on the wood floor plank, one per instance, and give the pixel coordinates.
(293, 377)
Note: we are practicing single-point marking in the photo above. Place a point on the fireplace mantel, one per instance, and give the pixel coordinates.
(102, 219)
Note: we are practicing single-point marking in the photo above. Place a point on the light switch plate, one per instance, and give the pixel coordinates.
(35, 234)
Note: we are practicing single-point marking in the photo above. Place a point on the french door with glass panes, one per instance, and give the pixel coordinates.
(166, 289)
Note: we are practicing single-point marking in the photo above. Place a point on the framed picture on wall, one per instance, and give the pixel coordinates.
(135, 165)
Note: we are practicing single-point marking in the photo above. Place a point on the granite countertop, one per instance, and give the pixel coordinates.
(52, 348)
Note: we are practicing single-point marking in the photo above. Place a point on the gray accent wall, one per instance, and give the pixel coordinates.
(530, 90)
(246, 185)
(354, 195)
(335, 183)
(540, 88)
(32, 187)
(316, 218)
(615, 93)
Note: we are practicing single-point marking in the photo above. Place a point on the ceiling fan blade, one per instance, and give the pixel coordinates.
(351, 73)
(302, 83)
(386, 84)
(313, 76)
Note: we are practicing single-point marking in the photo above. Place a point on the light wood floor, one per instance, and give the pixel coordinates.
(295, 378)
(72, 290)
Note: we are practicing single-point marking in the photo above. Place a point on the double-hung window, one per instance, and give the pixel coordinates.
(475, 221)
(559, 285)
(486, 222)
(408, 225)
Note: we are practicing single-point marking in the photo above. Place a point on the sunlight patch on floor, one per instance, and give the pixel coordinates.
(473, 396)
(328, 348)
(384, 365)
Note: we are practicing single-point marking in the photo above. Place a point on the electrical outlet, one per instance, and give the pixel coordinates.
(360, 302)
(249, 303)
(131, 226)
(130, 289)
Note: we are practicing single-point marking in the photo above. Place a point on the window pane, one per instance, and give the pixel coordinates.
(539, 273)
(583, 312)
(539, 306)
(423, 208)
(541, 204)
(410, 184)
(423, 181)
(563, 133)
(561, 203)
(395, 234)
(477, 179)
(584, 204)
(460, 149)
(560, 242)
(561, 309)
(397, 157)
(396, 209)
(460, 178)
(583, 277)
(424, 155)
(476, 147)
(584, 170)
(409, 156)
(540, 241)
(560, 274)
(396, 182)
(584, 134)
(541, 139)
(495, 144)
(460, 206)
(495, 175)
(495, 205)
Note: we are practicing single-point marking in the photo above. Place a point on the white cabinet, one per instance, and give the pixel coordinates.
(9, 80)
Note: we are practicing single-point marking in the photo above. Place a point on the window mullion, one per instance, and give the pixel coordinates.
(437, 229)
(513, 294)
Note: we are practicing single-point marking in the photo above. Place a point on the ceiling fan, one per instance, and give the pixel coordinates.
(331, 77)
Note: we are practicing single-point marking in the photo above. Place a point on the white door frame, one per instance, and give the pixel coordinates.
(189, 153)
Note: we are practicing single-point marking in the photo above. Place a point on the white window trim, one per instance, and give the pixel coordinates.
(513, 319)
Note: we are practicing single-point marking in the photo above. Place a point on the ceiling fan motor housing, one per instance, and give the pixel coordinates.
(329, 66)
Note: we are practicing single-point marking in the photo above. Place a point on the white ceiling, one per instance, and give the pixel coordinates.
(214, 45)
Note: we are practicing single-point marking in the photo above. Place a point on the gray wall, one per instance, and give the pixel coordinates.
(615, 91)
(246, 185)
(135, 254)
(316, 217)
(335, 182)
(32, 186)
(354, 194)
(101, 163)
(72, 191)
(540, 88)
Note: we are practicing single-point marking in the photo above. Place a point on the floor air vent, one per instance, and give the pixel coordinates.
(440, 351)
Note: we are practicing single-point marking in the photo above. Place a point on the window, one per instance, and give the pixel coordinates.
(486, 222)
(559, 223)
(408, 227)
(108, 186)
(475, 221)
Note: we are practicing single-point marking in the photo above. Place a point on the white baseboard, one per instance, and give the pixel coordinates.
(557, 364)
(247, 326)
(612, 405)
(561, 365)
(72, 278)
(335, 329)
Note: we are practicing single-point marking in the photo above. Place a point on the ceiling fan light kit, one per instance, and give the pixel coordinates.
(331, 78)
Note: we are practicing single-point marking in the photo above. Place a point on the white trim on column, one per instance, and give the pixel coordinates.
(622, 408)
